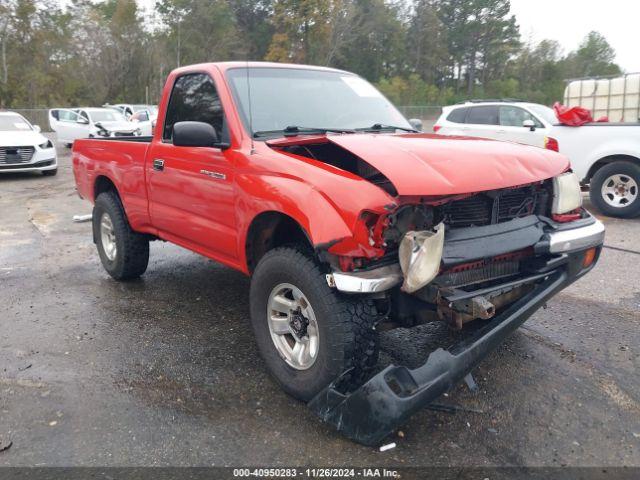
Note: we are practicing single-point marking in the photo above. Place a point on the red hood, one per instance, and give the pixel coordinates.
(428, 164)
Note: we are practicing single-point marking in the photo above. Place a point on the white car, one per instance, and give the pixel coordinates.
(605, 156)
(71, 124)
(23, 148)
(128, 109)
(146, 119)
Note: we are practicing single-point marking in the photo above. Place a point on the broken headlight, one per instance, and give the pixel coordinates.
(567, 195)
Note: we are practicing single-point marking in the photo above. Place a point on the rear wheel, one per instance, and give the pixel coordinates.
(308, 333)
(615, 191)
(124, 253)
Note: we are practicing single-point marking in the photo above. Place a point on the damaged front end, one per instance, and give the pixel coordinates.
(490, 259)
(500, 232)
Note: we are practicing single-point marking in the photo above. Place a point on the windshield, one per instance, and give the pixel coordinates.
(546, 113)
(106, 116)
(13, 123)
(284, 97)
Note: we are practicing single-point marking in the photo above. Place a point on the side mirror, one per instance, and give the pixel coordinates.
(416, 123)
(195, 134)
(37, 129)
(530, 124)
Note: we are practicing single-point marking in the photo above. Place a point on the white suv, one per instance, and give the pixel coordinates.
(511, 121)
(605, 156)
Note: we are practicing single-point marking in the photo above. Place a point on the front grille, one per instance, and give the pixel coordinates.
(483, 273)
(494, 207)
(16, 155)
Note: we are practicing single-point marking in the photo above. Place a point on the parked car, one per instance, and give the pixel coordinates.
(128, 110)
(347, 220)
(23, 148)
(146, 119)
(605, 156)
(72, 124)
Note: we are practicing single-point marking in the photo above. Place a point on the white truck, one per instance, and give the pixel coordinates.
(605, 156)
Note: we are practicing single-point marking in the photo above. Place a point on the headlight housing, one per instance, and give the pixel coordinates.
(567, 195)
(46, 145)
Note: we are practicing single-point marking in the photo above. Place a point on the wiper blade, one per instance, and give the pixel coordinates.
(377, 127)
(294, 130)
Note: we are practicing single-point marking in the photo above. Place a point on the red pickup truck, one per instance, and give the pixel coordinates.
(348, 220)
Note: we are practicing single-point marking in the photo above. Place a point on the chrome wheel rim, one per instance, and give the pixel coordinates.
(293, 326)
(108, 237)
(619, 191)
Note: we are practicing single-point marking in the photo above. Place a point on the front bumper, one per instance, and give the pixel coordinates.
(481, 242)
(388, 399)
(368, 414)
(41, 160)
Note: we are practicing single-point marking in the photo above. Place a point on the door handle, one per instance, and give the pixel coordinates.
(158, 164)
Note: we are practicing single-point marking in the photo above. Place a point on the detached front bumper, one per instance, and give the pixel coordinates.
(388, 399)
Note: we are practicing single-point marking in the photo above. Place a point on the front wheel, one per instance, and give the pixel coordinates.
(614, 189)
(124, 253)
(309, 334)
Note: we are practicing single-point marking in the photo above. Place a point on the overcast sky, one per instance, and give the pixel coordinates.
(568, 21)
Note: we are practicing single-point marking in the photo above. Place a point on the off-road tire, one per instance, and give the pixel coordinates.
(629, 169)
(348, 341)
(50, 173)
(132, 255)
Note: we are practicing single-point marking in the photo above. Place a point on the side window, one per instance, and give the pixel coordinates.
(457, 115)
(515, 117)
(67, 116)
(485, 115)
(194, 98)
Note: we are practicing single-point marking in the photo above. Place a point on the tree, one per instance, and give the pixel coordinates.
(594, 57)
(427, 43)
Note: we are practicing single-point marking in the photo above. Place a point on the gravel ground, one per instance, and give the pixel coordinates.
(164, 371)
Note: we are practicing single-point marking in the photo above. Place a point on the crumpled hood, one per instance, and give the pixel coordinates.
(21, 139)
(425, 164)
(118, 126)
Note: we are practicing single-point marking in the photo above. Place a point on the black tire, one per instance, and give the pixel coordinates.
(625, 169)
(68, 145)
(132, 249)
(50, 173)
(348, 340)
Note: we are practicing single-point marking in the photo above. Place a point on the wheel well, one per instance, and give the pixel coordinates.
(610, 159)
(270, 230)
(103, 184)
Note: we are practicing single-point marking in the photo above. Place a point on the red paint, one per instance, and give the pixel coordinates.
(566, 217)
(436, 128)
(212, 216)
(551, 143)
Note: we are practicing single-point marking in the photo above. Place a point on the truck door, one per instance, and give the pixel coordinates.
(191, 189)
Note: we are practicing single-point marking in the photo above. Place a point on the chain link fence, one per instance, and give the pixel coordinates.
(427, 113)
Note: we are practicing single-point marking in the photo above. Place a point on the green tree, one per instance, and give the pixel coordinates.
(594, 57)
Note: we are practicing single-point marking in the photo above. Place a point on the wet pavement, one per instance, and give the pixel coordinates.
(164, 370)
